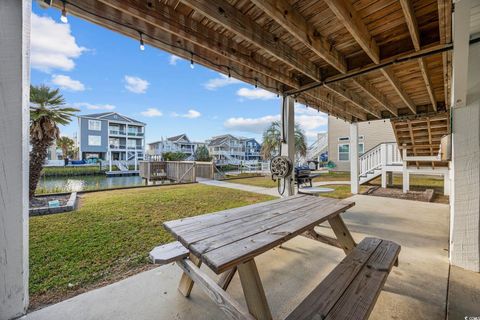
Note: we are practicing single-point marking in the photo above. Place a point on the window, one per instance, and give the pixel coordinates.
(94, 140)
(344, 151)
(132, 144)
(95, 125)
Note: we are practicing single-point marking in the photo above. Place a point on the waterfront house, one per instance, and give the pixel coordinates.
(111, 136)
(228, 149)
(179, 143)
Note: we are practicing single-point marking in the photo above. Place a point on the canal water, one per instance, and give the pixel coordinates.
(79, 183)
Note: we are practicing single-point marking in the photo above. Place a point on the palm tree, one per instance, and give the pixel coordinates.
(46, 112)
(272, 136)
(66, 144)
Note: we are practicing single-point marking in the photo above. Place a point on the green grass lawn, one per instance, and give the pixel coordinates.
(110, 235)
(264, 182)
(417, 182)
(341, 191)
(267, 182)
(333, 176)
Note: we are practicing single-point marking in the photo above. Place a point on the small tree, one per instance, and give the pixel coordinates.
(174, 156)
(67, 145)
(202, 154)
(271, 140)
(46, 112)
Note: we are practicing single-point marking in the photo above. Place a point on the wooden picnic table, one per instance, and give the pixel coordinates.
(229, 240)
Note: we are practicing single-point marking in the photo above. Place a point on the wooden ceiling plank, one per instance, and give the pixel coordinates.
(291, 20)
(353, 98)
(184, 27)
(330, 99)
(428, 82)
(390, 76)
(232, 19)
(346, 13)
(411, 22)
(375, 94)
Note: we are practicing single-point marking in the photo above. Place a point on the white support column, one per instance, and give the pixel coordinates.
(14, 122)
(446, 184)
(110, 159)
(288, 148)
(405, 173)
(383, 153)
(354, 183)
(465, 166)
(136, 160)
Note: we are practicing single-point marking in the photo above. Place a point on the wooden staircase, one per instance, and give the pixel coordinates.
(421, 137)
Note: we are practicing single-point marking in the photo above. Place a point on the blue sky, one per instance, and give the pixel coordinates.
(99, 70)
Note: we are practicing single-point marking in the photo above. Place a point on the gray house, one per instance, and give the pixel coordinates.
(111, 136)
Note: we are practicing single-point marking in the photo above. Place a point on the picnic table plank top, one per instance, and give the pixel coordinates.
(227, 238)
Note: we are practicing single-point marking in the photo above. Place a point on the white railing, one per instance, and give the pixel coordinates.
(317, 147)
(384, 154)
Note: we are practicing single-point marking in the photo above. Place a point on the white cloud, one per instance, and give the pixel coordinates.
(90, 106)
(174, 59)
(136, 84)
(252, 125)
(151, 112)
(309, 120)
(52, 45)
(220, 82)
(255, 94)
(65, 82)
(191, 114)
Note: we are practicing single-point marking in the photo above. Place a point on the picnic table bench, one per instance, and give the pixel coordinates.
(228, 242)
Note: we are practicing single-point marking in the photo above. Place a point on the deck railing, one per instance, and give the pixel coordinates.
(384, 154)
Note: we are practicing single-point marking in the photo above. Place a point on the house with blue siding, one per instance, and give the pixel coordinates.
(111, 136)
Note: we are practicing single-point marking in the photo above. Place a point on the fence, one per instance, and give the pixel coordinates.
(178, 171)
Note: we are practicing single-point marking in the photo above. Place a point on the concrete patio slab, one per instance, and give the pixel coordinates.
(463, 294)
(417, 289)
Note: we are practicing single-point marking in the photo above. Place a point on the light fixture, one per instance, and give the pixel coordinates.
(256, 83)
(191, 62)
(229, 74)
(142, 44)
(64, 18)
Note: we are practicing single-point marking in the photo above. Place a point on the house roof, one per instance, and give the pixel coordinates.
(180, 136)
(103, 115)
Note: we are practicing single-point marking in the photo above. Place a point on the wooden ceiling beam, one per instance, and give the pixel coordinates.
(445, 30)
(167, 19)
(412, 24)
(332, 99)
(354, 99)
(428, 82)
(411, 21)
(392, 79)
(344, 11)
(291, 20)
(375, 94)
(232, 19)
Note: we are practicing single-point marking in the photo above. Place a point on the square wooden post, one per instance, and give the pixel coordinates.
(14, 136)
(354, 181)
(288, 147)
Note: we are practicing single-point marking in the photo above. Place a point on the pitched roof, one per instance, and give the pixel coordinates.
(105, 114)
(180, 136)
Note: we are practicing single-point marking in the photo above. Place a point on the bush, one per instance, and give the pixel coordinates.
(71, 171)
(174, 156)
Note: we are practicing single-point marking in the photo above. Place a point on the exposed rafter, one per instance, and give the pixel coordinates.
(375, 94)
(284, 14)
(415, 35)
(230, 18)
(445, 31)
(411, 23)
(428, 82)
(353, 98)
(390, 76)
(345, 12)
